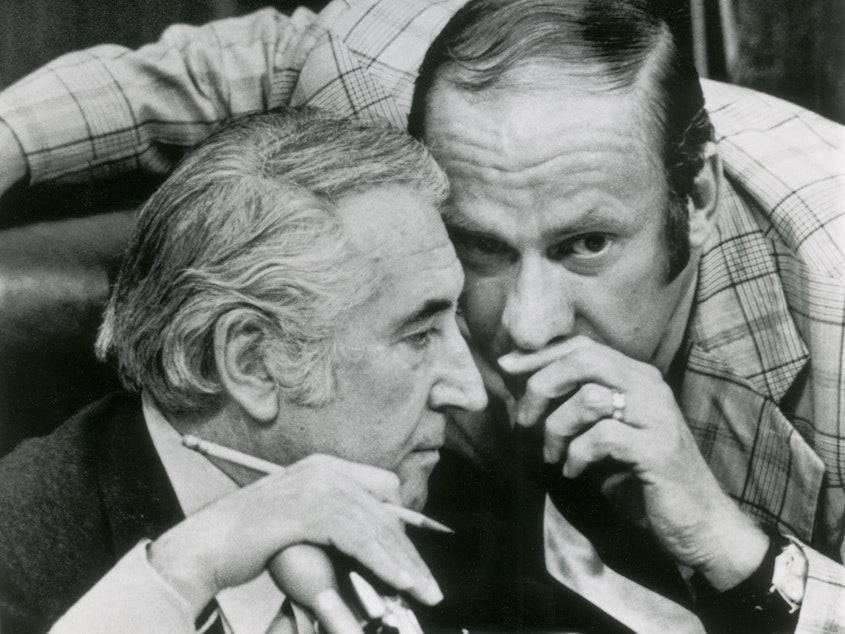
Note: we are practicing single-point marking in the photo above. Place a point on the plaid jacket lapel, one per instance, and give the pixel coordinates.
(744, 354)
(752, 448)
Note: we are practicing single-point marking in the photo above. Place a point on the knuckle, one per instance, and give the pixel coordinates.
(593, 398)
(323, 485)
(580, 359)
(315, 462)
(581, 341)
(556, 423)
(532, 386)
(611, 441)
(352, 540)
(664, 392)
(538, 386)
(575, 454)
(391, 481)
(653, 373)
(384, 536)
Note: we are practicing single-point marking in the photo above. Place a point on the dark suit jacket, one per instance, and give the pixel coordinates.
(71, 504)
(74, 502)
(492, 570)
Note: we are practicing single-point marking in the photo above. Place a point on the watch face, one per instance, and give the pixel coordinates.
(790, 576)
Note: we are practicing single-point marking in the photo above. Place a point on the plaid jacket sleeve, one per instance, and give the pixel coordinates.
(786, 167)
(107, 109)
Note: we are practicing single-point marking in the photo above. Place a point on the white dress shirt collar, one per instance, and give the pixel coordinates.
(251, 607)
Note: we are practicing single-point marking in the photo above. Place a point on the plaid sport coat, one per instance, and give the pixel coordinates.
(764, 387)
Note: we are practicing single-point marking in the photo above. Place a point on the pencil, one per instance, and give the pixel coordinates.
(233, 456)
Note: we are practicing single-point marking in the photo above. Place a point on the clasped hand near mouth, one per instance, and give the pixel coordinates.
(621, 410)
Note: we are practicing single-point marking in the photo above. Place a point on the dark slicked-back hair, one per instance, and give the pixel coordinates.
(620, 46)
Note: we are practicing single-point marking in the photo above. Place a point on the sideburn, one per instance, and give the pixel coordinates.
(677, 237)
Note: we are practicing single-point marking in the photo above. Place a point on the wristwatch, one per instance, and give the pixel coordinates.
(770, 597)
(790, 575)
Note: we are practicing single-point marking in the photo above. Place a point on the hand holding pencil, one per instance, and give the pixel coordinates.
(317, 502)
(305, 571)
(265, 467)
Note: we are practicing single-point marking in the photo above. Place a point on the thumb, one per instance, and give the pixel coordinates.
(306, 575)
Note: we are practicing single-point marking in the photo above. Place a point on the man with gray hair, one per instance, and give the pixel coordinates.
(290, 293)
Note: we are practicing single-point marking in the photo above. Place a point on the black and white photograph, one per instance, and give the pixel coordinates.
(422, 316)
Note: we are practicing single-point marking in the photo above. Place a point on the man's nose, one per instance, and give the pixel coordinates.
(459, 383)
(538, 309)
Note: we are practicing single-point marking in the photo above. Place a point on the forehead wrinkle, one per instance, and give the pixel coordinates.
(579, 171)
(520, 160)
(545, 219)
(440, 264)
(396, 234)
(410, 248)
(497, 124)
(581, 183)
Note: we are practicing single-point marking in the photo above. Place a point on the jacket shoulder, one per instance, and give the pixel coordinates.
(54, 533)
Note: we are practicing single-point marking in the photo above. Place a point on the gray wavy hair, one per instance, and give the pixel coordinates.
(247, 223)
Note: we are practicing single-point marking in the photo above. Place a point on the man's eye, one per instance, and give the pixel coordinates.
(484, 246)
(586, 246)
(477, 246)
(590, 245)
(421, 340)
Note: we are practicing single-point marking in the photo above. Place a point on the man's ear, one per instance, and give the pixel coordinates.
(241, 368)
(704, 198)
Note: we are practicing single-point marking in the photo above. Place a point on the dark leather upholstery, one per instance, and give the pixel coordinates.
(54, 280)
(54, 275)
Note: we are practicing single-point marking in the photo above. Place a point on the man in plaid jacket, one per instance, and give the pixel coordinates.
(696, 354)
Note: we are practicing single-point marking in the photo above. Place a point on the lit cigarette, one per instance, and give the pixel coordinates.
(220, 452)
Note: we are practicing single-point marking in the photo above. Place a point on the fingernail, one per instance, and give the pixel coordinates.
(507, 362)
(433, 592)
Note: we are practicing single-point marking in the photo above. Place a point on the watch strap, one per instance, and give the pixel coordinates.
(765, 601)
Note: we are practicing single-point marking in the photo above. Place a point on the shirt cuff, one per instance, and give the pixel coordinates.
(132, 596)
(823, 608)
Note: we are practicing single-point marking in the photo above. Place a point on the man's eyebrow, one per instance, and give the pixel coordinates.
(595, 215)
(425, 312)
(454, 219)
